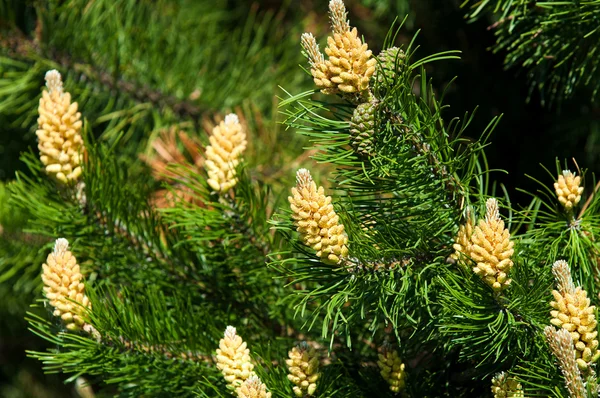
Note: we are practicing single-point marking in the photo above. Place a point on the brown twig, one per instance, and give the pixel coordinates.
(500, 22)
(162, 349)
(589, 200)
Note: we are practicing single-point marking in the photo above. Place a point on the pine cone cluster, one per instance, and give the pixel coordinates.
(572, 312)
(392, 369)
(303, 365)
(233, 359)
(316, 220)
(349, 66)
(253, 387)
(227, 143)
(568, 190)
(362, 128)
(63, 285)
(491, 248)
(59, 131)
(504, 386)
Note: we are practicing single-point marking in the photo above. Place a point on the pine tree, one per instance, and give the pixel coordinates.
(397, 267)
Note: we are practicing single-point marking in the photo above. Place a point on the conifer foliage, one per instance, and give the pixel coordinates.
(396, 268)
(532, 35)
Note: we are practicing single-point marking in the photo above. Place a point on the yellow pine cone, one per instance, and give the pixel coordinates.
(63, 283)
(506, 387)
(572, 312)
(350, 63)
(462, 241)
(568, 190)
(227, 143)
(253, 387)
(561, 345)
(59, 131)
(303, 365)
(233, 358)
(316, 220)
(492, 249)
(392, 369)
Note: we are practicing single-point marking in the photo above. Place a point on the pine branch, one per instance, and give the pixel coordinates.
(555, 42)
(555, 234)
(398, 232)
(18, 46)
(130, 344)
(231, 232)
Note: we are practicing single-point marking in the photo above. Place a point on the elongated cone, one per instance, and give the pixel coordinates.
(571, 311)
(392, 369)
(561, 345)
(316, 220)
(227, 143)
(350, 63)
(59, 131)
(63, 285)
(303, 366)
(462, 241)
(491, 249)
(233, 358)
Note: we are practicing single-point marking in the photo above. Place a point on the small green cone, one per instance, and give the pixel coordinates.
(362, 128)
(390, 63)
